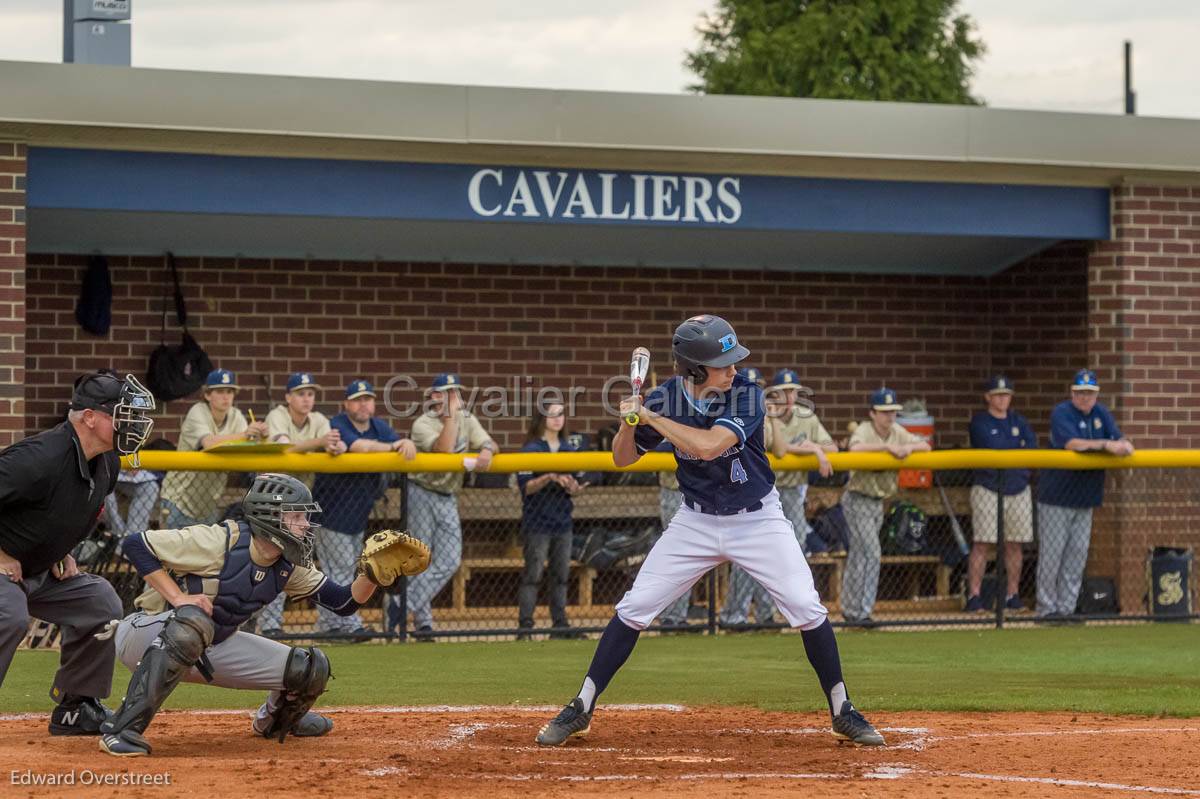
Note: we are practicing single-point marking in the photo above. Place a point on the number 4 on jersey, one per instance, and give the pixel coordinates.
(737, 472)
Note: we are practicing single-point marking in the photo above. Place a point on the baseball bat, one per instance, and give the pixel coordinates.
(639, 365)
(955, 527)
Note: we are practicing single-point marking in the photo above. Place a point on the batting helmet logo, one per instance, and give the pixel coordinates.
(728, 342)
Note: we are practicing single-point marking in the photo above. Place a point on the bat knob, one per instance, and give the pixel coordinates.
(632, 419)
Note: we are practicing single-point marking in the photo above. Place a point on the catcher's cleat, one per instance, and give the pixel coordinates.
(849, 725)
(126, 743)
(78, 715)
(312, 725)
(572, 722)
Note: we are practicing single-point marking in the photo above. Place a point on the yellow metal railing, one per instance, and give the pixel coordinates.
(247, 461)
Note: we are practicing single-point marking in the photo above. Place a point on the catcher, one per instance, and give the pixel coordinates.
(205, 580)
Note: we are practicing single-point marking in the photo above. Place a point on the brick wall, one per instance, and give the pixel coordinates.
(1144, 312)
(12, 292)
(930, 337)
(1144, 339)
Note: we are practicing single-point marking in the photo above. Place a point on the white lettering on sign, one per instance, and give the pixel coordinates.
(111, 6)
(542, 194)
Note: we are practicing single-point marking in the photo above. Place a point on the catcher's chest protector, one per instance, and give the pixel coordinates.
(243, 586)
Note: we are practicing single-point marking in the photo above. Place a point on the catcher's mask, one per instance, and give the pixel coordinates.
(128, 402)
(269, 498)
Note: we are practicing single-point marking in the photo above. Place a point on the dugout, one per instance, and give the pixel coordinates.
(360, 228)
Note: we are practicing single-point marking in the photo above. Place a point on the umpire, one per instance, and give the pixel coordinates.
(52, 490)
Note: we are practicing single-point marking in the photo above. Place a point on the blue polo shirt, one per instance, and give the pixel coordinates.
(547, 511)
(1011, 432)
(741, 475)
(346, 499)
(1072, 488)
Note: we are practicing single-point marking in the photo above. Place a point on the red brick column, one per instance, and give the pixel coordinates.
(12, 292)
(1144, 343)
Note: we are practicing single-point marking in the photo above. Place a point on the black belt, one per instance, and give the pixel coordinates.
(696, 506)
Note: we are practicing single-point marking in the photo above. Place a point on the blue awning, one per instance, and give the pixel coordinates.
(138, 202)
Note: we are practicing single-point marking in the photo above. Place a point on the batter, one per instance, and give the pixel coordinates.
(713, 419)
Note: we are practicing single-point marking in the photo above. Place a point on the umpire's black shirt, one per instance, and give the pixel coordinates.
(50, 497)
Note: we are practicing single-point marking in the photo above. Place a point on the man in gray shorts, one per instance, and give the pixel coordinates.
(229, 571)
(52, 489)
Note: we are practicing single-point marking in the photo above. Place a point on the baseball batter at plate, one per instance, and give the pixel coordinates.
(713, 419)
(207, 579)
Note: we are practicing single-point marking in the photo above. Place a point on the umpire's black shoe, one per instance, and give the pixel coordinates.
(849, 725)
(572, 722)
(78, 715)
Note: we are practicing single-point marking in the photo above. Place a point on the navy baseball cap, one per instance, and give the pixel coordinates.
(359, 388)
(884, 400)
(752, 374)
(785, 378)
(999, 385)
(301, 380)
(220, 378)
(1085, 380)
(446, 381)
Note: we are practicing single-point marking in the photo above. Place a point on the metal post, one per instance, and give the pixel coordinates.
(1001, 593)
(402, 581)
(712, 601)
(1130, 96)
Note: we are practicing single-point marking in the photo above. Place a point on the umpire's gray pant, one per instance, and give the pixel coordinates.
(669, 501)
(1064, 535)
(80, 606)
(338, 553)
(860, 580)
(433, 518)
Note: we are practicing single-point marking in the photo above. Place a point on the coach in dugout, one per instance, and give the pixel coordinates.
(52, 490)
(999, 427)
(1067, 497)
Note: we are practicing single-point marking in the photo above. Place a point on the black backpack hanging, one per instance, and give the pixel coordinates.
(176, 372)
(93, 310)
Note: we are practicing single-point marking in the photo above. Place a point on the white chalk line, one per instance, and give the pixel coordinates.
(1066, 783)
(628, 708)
(880, 773)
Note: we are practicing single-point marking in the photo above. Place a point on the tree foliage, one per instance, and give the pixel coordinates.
(902, 50)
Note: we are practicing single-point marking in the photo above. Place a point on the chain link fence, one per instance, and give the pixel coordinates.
(924, 554)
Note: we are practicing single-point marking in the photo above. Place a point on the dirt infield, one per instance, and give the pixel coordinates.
(658, 751)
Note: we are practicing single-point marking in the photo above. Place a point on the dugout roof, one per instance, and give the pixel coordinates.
(140, 161)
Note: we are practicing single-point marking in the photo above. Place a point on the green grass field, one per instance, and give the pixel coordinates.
(1143, 669)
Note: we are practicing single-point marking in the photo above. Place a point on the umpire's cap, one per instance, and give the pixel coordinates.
(705, 340)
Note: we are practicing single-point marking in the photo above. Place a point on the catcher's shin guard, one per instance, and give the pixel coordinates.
(178, 646)
(304, 678)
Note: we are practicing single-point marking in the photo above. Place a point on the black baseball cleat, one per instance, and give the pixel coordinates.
(572, 722)
(78, 715)
(126, 743)
(849, 725)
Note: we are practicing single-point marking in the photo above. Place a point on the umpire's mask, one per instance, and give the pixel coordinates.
(128, 402)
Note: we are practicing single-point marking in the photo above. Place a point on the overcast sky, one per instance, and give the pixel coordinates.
(1047, 54)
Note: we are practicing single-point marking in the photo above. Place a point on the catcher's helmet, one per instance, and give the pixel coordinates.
(271, 496)
(705, 340)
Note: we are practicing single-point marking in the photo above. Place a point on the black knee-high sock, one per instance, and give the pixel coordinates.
(614, 649)
(821, 647)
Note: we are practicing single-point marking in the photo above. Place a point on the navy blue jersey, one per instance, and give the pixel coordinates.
(741, 475)
(1011, 432)
(1076, 488)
